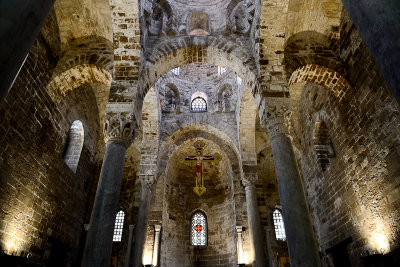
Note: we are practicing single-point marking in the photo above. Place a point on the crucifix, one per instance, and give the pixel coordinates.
(199, 189)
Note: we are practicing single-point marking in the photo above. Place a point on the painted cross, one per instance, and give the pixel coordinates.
(199, 189)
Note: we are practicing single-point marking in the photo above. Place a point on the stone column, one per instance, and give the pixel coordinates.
(239, 230)
(253, 216)
(141, 227)
(157, 229)
(21, 22)
(271, 253)
(303, 249)
(128, 250)
(379, 25)
(118, 134)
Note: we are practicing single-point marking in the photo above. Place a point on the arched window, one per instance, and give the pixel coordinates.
(199, 105)
(278, 224)
(73, 146)
(323, 145)
(198, 102)
(198, 229)
(119, 226)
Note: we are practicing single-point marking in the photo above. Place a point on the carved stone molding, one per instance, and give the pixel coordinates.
(147, 180)
(239, 229)
(275, 118)
(249, 179)
(119, 127)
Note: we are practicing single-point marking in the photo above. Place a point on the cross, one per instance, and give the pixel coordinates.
(199, 189)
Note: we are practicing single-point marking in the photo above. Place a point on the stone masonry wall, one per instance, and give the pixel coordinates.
(43, 203)
(181, 202)
(357, 195)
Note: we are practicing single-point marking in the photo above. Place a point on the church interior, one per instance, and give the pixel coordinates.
(200, 133)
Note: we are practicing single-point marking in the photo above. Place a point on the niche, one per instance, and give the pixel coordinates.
(198, 24)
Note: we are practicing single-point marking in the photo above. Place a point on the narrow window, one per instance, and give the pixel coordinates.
(323, 145)
(73, 146)
(198, 229)
(119, 226)
(279, 226)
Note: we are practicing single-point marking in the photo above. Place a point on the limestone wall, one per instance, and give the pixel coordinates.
(43, 203)
(357, 195)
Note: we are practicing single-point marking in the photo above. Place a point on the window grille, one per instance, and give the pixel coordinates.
(198, 229)
(221, 70)
(199, 105)
(279, 226)
(175, 71)
(119, 226)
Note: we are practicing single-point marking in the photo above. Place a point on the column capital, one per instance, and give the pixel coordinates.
(157, 228)
(131, 226)
(275, 117)
(239, 229)
(249, 179)
(119, 127)
(147, 180)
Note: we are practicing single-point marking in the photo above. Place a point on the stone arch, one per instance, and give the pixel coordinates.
(224, 96)
(198, 23)
(73, 146)
(192, 54)
(247, 128)
(67, 81)
(198, 130)
(72, 78)
(327, 78)
(86, 50)
(322, 141)
(310, 47)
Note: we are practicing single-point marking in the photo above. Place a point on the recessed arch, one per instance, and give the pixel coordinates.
(192, 54)
(323, 145)
(310, 47)
(327, 78)
(198, 130)
(198, 23)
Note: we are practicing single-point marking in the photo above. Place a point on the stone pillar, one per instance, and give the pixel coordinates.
(141, 227)
(157, 229)
(271, 253)
(239, 230)
(118, 134)
(128, 250)
(253, 216)
(379, 25)
(303, 249)
(21, 22)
